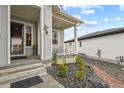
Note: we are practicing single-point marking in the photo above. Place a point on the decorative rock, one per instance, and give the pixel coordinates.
(90, 81)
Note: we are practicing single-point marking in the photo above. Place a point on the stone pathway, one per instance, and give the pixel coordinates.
(112, 82)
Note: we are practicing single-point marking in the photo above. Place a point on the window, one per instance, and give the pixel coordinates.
(28, 36)
(70, 44)
(80, 44)
(54, 37)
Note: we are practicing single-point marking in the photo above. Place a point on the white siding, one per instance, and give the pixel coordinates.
(4, 35)
(111, 46)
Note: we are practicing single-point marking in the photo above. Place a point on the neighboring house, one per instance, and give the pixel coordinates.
(24, 28)
(105, 44)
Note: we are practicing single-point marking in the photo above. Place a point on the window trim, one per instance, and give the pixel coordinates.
(55, 38)
(31, 25)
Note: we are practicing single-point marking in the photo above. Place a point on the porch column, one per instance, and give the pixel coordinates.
(4, 35)
(76, 39)
(63, 42)
(41, 34)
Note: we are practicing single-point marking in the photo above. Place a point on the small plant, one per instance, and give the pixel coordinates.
(80, 74)
(81, 68)
(54, 59)
(63, 70)
(80, 63)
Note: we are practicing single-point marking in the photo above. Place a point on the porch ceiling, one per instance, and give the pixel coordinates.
(62, 21)
(25, 11)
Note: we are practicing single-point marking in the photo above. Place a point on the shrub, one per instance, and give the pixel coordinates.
(81, 68)
(80, 74)
(80, 63)
(54, 59)
(63, 70)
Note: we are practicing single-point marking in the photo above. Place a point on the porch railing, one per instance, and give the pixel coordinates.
(70, 49)
(59, 50)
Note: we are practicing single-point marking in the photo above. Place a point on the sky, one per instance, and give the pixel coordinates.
(95, 17)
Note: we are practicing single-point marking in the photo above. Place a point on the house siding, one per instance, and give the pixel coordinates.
(111, 46)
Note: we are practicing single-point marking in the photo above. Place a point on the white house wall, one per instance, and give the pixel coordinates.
(4, 35)
(111, 46)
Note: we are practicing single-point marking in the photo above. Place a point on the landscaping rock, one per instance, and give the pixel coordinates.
(90, 81)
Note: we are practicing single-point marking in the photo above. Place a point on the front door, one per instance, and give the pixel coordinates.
(17, 39)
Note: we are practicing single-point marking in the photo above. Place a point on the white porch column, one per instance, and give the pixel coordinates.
(4, 35)
(76, 39)
(41, 34)
(63, 42)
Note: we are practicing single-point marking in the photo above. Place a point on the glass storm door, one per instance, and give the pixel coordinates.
(17, 38)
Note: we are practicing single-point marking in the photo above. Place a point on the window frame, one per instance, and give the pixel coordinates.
(31, 25)
(57, 38)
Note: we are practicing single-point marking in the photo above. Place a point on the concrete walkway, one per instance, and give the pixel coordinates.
(112, 82)
(49, 82)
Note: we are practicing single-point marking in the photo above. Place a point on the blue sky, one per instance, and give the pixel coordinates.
(96, 18)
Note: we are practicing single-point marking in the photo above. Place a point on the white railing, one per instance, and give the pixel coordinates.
(60, 50)
(70, 49)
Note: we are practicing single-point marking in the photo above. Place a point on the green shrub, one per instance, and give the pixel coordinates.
(80, 74)
(54, 59)
(81, 68)
(63, 70)
(80, 63)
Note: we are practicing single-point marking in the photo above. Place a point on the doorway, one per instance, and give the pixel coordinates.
(17, 39)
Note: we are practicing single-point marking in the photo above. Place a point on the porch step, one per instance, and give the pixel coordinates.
(16, 73)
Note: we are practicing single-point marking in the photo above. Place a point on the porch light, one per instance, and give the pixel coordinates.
(46, 28)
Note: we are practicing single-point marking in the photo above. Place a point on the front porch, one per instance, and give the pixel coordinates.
(24, 31)
(62, 21)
